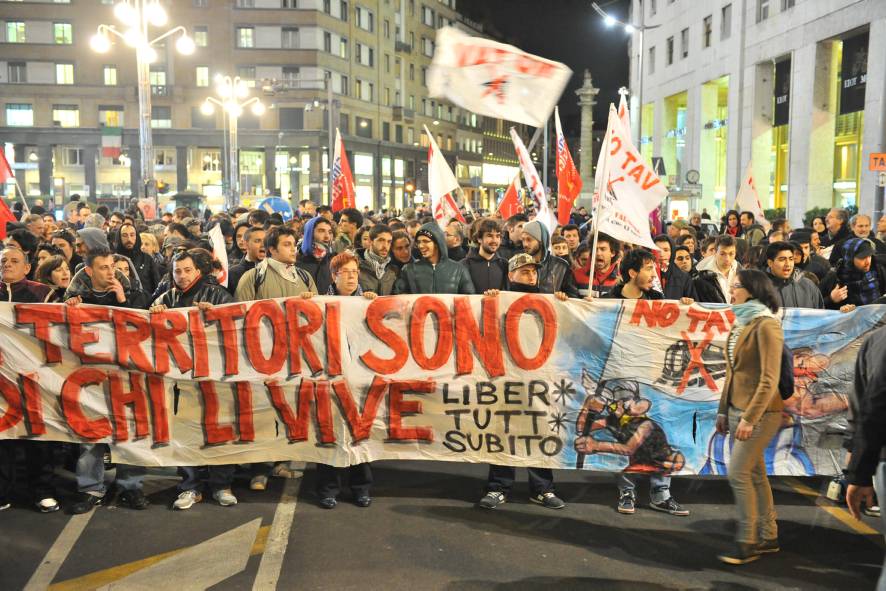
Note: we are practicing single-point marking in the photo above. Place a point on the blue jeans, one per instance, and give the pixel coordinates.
(90, 471)
(220, 477)
(659, 486)
(880, 488)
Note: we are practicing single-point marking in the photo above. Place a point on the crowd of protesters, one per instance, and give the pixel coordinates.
(96, 256)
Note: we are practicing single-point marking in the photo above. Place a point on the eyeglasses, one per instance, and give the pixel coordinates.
(737, 286)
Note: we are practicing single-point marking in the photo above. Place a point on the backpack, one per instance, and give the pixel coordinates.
(786, 374)
(259, 277)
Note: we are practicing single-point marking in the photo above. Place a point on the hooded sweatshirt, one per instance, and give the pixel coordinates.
(446, 276)
(554, 273)
(314, 258)
(81, 285)
(93, 238)
(144, 264)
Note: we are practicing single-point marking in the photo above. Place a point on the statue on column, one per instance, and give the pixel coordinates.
(587, 99)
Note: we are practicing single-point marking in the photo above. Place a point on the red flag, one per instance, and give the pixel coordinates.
(510, 205)
(568, 179)
(5, 169)
(5, 214)
(343, 193)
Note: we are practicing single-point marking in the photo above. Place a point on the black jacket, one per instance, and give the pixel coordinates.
(446, 276)
(616, 294)
(236, 272)
(81, 285)
(837, 241)
(317, 268)
(554, 273)
(457, 253)
(830, 281)
(677, 284)
(206, 289)
(491, 274)
(707, 287)
(817, 265)
(144, 264)
(508, 248)
(797, 292)
(868, 410)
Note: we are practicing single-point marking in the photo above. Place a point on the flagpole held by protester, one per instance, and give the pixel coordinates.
(604, 186)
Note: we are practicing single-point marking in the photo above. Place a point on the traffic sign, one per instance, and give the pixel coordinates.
(878, 161)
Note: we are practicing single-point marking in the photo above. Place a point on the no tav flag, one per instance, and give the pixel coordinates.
(441, 184)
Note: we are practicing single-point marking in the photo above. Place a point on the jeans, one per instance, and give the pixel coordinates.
(329, 479)
(659, 486)
(38, 464)
(750, 485)
(880, 487)
(501, 479)
(90, 471)
(220, 477)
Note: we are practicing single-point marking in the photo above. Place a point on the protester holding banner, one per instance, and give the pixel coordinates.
(401, 249)
(794, 290)
(195, 285)
(554, 273)
(606, 265)
(751, 409)
(637, 274)
(345, 268)
(254, 249)
(277, 276)
(434, 272)
(488, 270)
(316, 251)
(377, 272)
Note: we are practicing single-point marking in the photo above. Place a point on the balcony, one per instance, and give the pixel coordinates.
(161, 90)
(403, 114)
(402, 47)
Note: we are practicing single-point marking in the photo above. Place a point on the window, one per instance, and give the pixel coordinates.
(387, 63)
(427, 16)
(161, 117)
(363, 127)
(245, 3)
(411, 104)
(109, 75)
(164, 157)
(288, 4)
(201, 121)
(684, 43)
(387, 29)
(427, 46)
(157, 76)
(327, 6)
(669, 47)
(289, 38)
(762, 10)
(652, 8)
(290, 76)
(786, 4)
(210, 160)
(343, 48)
(292, 118)
(18, 72)
(651, 60)
(365, 55)
(202, 76)
(245, 37)
(19, 115)
(424, 76)
(411, 72)
(63, 33)
(15, 32)
(707, 27)
(385, 131)
(64, 73)
(327, 41)
(345, 86)
(344, 11)
(201, 36)
(364, 90)
(66, 115)
(725, 22)
(365, 19)
(398, 134)
(110, 116)
(247, 74)
(71, 156)
(201, 3)
(387, 97)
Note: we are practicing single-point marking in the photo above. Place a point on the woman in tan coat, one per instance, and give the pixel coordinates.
(750, 408)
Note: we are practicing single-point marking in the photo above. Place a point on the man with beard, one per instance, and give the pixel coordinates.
(377, 273)
(522, 277)
(511, 240)
(254, 239)
(554, 273)
(606, 265)
(795, 291)
(401, 249)
(316, 251)
(434, 272)
(195, 285)
(130, 245)
(488, 270)
(637, 274)
(572, 235)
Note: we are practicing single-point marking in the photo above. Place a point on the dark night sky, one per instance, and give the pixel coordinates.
(567, 31)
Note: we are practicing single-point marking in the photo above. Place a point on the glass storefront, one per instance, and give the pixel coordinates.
(713, 140)
(674, 142)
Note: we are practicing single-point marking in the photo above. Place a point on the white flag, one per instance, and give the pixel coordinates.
(534, 184)
(749, 200)
(441, 184)
(624, 114)
(630, 189)
(219, 249)
(495, 79)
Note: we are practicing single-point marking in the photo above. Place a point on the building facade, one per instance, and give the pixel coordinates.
(785, 85)
(59, 98)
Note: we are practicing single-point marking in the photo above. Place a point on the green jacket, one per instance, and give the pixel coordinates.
(369, 281)
(447, 276)
(264, 282)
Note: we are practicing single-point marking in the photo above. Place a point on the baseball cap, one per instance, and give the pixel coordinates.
(520, 260)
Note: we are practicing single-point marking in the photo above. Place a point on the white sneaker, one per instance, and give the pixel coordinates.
(47, 505)
(259, 482)
(4, 505)
(224, 497)
(187, 499)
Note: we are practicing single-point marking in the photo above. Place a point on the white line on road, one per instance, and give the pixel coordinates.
(278, 538)
(59, 551)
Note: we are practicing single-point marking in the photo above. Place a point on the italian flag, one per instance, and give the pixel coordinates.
(112, 141)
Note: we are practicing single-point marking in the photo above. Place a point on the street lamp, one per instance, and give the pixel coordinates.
(610, 21)
(137, 16)
(231, 91)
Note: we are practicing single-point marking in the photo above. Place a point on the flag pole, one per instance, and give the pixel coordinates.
(21, 196)
(604, 186)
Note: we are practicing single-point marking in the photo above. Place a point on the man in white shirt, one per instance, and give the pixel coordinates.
(723, 264)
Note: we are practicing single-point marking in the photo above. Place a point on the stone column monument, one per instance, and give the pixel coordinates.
(587, 99)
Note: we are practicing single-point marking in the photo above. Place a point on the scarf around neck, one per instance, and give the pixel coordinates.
(750, 310)
(378, 263)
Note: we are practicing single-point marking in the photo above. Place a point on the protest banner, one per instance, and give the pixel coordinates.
(518, 379)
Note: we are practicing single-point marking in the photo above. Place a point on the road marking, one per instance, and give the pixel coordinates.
(278, 538)
(115, 573)
(840, 514)
(198, 567)
(59, 551)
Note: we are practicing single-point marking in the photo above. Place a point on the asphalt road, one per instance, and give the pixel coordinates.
(424, 532)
